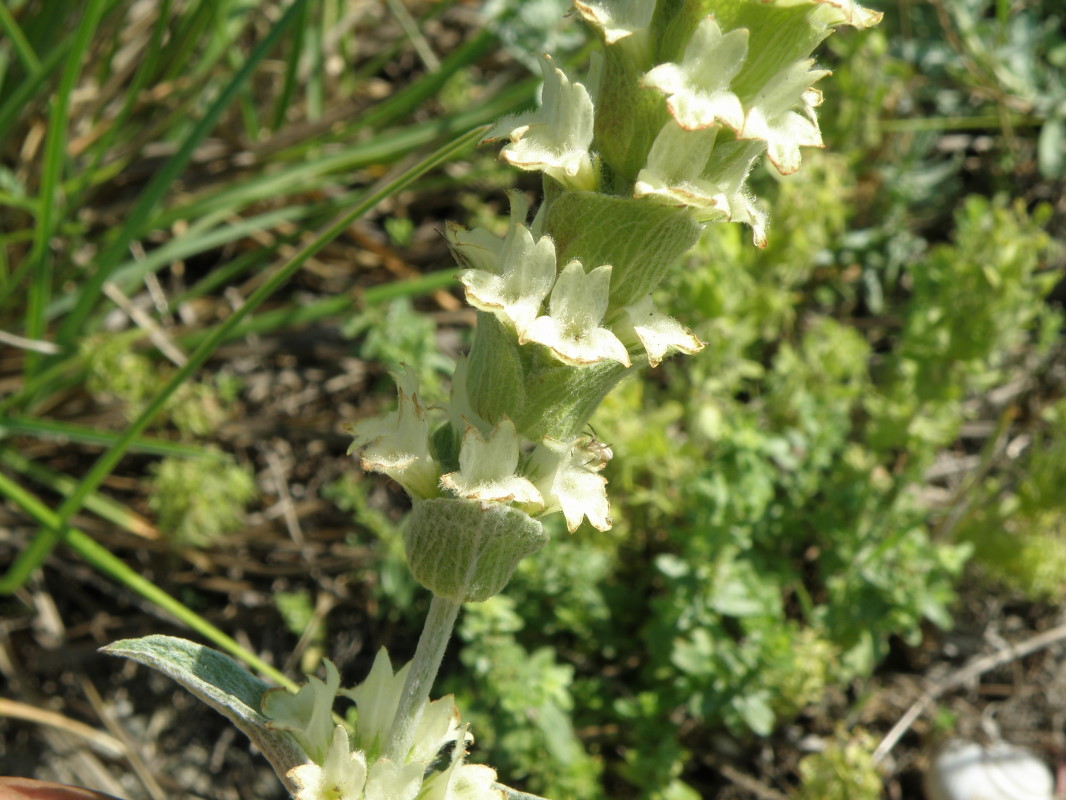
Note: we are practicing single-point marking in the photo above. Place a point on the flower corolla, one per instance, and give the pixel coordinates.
(573, 329)
(697, 90)
(773, 119)
(397, 444)
(511, 278)
(658, 332)
(569, 479)
(487, 467)
(555, 138)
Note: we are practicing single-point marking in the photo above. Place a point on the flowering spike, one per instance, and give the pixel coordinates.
(697, 89)
(573, 329)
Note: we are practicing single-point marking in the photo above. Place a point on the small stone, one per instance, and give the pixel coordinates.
(1001, 771)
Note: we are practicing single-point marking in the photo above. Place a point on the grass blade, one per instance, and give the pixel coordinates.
(82, 434)
(104, 507)
(23, 49)
(152, 195)
(40, 258)
(101, 559)
(47, 538)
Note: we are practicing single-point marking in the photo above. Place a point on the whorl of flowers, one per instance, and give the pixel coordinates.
(350, 765)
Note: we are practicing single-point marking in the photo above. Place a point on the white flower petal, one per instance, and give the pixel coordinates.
(697, 89)
(556, 138)
(675, 167)
(573, 328)
(341, 776)
(679, 172)
(569, 479)
(487, 468)
(772, 117)
(659, 333)
(462, 782)
(388, 780)
(512, 276)
(438, 725)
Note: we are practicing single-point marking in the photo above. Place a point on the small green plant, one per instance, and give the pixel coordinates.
(844, 770)
(199, 501)
(1018, 528)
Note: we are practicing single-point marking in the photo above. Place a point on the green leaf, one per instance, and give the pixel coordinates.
(755, 711)
(220, 682)
(1051, 148)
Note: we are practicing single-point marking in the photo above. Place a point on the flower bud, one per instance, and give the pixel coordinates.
(463, 550)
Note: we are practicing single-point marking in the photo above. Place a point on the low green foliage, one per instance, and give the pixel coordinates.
(521, 702)
(844, 770)
(767, 502)
(1019, 529)
(118, 371)
(395, 335)
(197, 502)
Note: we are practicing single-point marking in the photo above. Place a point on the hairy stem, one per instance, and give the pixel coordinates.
(431, 645)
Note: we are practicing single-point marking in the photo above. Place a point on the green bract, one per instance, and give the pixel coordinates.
(463, 550)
